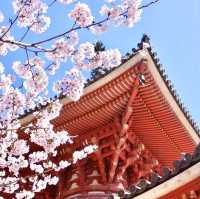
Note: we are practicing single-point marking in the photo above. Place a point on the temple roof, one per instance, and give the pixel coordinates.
(159, 118)
(92, 82)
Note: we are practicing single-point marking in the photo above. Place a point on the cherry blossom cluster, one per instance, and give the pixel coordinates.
(87, 58)
(20, 156)
(33, 73)
(71, 84)
(127, 13)
(31, 14)
(81, 14)
(84, 57)
(78, 155)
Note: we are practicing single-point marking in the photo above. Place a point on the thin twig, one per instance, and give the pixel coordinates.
(27, 56)
(25, 33)
(54, 1)
(149, 4)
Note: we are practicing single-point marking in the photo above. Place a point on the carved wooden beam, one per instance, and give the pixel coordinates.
(124, 128)
(100, 161)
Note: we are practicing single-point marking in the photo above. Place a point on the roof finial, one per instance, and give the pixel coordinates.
(145, 42)
(145, 39)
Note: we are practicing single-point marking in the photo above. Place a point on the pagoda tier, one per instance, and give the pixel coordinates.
(139, 127)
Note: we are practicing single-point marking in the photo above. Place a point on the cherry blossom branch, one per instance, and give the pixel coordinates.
(35, 45)
(93, 24)
(69, 31)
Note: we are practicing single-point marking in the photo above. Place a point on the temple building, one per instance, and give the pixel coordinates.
(148, 144)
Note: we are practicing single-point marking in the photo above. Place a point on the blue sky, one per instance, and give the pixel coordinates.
(174, 29)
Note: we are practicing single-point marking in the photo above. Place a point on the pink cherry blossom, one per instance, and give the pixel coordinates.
(20, 147)
(38, 81)
(110, 58)
(32, 14)
(24, 194)
(74, 38)
(78, 155)
(16, 163)
(63, 164)
(134, 12)
(62, 49)
(21, 69)
(104, 10)
(37, 156)
(81, 14)
(41, 25)
(127, 13)
(71, 85)
(98, 29)
(87, 58)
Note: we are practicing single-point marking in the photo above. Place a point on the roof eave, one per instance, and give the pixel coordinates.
(172, 184)
(170, 98)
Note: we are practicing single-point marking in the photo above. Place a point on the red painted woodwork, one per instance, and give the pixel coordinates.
(121, 158)
(135, 129)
